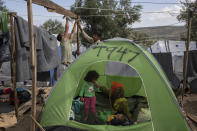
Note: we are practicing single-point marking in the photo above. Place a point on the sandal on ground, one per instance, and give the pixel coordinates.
(65, 63)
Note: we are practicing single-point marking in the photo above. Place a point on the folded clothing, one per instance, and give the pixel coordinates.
(5, 91)
(144, 115)
(22, 95)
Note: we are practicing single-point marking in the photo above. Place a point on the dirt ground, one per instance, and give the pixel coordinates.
(8, 121)
(24, 124)
(190, 106)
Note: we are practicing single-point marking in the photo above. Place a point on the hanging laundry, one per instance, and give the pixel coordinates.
(46, 49)
(5, 54)
(4, 22)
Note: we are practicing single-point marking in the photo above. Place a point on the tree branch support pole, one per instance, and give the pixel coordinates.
(33, 61)
(12, 14)
(189, 22)
(41, 128)
(78, 41)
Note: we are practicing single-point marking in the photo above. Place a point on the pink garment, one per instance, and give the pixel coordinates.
(7, 91)
(90, 102)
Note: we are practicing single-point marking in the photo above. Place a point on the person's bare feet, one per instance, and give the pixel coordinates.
(86, 119)
(94, 119)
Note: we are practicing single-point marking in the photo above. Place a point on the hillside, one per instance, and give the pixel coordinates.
(163, 32)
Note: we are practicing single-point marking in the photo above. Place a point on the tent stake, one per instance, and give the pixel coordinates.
(12, 14)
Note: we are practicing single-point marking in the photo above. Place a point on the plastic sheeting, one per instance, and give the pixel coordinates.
(5, 74)
(192, 64)
(171, 46)
(5, 54)
(165, 60)
(193, 86)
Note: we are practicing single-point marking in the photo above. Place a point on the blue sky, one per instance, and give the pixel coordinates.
(147, 19)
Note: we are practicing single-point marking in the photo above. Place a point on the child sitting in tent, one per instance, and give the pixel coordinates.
(87, 93)
(118, 101)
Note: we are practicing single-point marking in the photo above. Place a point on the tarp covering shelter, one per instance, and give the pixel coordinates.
(166, 59)
(139, 73)
(192, 63)
(171, 46)
(176, 48)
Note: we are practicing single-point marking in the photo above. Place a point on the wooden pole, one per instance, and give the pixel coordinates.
(34, 82)
(33, 61)
(53, 7)
(189, 22)
(56, 73)
(78, 42)
(34, 120)
(14, 62)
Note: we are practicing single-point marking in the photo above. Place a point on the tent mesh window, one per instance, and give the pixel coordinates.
(133, 91)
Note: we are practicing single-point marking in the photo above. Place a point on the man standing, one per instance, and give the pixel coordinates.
(65, 42)
(95, 39)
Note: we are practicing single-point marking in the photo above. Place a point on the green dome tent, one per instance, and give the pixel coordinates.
(130, 64)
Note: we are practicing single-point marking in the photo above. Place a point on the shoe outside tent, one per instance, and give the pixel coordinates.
(128, 63)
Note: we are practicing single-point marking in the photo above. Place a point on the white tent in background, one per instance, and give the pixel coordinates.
(171, 46)
(176, 48)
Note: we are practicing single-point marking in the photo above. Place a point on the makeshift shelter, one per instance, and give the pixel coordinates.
(177, 49)
(171, 53)
(128, 63)
(171, 46)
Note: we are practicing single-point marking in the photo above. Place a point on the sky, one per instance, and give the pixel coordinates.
(40, 14)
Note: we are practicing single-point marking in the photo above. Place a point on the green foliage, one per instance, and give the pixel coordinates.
(112, 22)
(184, 17)
(54, 26)
(2, 6)
(141, 38)
(164, 32)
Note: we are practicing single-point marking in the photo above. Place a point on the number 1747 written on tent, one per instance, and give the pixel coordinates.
(114, 50)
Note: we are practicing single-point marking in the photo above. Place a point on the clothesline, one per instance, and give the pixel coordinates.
(118, 9)
(92, 15)
(136, 2)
